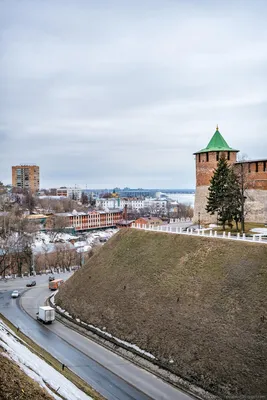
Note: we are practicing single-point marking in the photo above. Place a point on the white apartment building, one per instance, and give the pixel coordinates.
(110, 203)
(72, 193)
(132, 204)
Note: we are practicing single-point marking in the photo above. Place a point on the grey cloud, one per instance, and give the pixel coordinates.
(123, 94)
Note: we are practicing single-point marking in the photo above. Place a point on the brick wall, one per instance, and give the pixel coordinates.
(255, 174)
(206, 163)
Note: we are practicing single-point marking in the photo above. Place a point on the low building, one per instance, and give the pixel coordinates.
(123, 223)
(71, 193)
(137, 203)
(110, 203)
(82, 221)
(148, 221)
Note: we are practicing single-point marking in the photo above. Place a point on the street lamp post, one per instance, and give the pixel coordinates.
(199, 220)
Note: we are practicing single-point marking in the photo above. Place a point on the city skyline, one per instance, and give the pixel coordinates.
(124, 94)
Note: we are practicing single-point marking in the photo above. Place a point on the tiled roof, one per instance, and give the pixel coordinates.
(216, 143)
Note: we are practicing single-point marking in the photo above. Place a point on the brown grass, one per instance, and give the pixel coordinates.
(198, 301)
(16, 385)
(248, 227)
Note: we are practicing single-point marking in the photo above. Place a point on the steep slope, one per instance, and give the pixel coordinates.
(198, 301)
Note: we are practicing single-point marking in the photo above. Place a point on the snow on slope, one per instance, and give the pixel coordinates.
(38, 369)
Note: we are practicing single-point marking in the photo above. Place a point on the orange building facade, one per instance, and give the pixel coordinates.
(81, 221)
(26, 177)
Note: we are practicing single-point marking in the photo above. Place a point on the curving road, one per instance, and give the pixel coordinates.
(111, 375)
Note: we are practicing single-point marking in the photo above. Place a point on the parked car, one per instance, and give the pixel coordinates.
(15, 294)
(51, 278)
(32, 283)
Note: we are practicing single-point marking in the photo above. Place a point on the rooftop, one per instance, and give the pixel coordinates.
(217, 143)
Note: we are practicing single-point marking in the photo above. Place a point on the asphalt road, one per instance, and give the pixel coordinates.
(111, 375)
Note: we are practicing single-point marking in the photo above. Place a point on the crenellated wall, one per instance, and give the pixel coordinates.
(255, 173)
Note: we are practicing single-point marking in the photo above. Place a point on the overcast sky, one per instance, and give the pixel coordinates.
(121, 93)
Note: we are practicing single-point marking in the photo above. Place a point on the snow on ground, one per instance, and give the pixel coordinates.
(38, 369)
(84, 241)
(103, 331)
(45, 238)
(262, 231)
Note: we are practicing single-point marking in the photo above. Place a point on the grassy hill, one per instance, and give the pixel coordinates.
(198, 301)
(16, 385)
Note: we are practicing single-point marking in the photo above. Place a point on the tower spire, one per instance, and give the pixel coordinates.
(217, 128)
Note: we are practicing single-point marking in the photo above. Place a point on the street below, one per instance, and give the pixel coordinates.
(111, 375)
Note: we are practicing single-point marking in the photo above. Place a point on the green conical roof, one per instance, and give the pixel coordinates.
(216, 143)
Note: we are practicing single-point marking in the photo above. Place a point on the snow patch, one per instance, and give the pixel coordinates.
(38, 369)
(109, 335)
(262, 231)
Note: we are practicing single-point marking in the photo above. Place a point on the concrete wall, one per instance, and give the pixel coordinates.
(256, 205)
(199, 207)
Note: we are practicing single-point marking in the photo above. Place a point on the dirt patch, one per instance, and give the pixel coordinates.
(198, 304)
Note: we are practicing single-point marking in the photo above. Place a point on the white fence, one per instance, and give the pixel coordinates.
(256, 238)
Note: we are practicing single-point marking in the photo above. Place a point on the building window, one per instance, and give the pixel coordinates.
(257, 167)
(249, 168)
(265, 166)
(217, 156)
(199, 157)
(228, 155)
(207, 157)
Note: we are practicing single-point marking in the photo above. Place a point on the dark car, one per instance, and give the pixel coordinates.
(51, 278)
(32, 283)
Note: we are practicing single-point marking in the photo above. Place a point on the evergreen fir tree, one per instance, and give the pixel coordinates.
(221, 195)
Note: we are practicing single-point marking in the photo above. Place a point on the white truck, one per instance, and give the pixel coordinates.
(46, 314)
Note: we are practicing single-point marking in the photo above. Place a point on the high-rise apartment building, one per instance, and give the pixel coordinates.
(26, 177)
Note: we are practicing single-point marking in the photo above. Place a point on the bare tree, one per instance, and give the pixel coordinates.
(56, 224)
(29, 201)
(16, 237)
(241, 170)
(84, 198)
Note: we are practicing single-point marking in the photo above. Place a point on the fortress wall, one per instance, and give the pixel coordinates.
(199, 207)
(256, 205)
(255, 174)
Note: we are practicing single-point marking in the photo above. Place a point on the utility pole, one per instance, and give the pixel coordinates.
(33, 267)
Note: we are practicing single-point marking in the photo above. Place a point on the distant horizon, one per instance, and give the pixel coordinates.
(129, 189)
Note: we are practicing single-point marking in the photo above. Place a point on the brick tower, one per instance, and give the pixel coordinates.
(206, 162)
